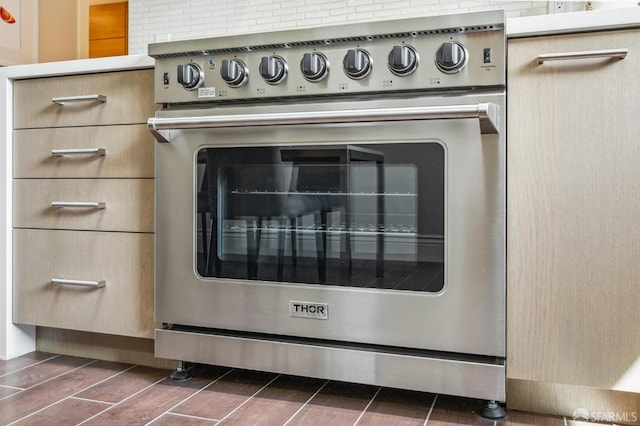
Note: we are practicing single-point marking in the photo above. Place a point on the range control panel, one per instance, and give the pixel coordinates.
(434, 53)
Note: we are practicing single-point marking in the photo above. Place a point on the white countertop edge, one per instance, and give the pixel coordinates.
(574, 22)
(81, 66)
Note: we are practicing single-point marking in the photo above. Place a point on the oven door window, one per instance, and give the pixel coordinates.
(367, 215)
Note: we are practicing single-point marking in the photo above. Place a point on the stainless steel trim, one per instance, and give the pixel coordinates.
(406, 371)
(587, 54)
(82, 98)
(487, 113)
(492, 20)
(80, 283)
(79, 151)
(80, 204)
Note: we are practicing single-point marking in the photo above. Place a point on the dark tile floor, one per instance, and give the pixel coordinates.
(41, 388)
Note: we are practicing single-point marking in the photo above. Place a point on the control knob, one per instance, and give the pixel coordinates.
(314, 66)
(273, 69)
(190, 76)
(451, 57)
(234, 72)
(403, 60)
(357, 63)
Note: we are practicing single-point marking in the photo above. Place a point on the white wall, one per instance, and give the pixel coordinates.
(159, 20)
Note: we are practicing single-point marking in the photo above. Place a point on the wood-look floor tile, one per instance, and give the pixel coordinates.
(26, 402)
(181, 420)
(398, 407)
(336, 404)
(123, 385)
(38, 373)
(69, 411)
(150, 403)
(276, 403)
(225, 395)
(5, 391)
(23, 361)
(519, 418)
(450, 410)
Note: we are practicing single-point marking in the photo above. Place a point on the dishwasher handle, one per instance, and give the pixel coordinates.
(587, 54)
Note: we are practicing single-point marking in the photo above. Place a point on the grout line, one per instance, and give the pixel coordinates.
(48, 380)
(249, 399)
(28, 366)
(11, 387)
(185, 415)
(189, 397)
(365, 408)
(433, 404)
(73, 394)
(306, 402)
(104, 380)
(126, 399)
(90, 400)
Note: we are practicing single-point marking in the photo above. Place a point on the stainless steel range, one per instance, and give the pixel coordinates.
(330, 202)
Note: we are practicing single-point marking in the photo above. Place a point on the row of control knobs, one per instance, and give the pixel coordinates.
(451, 57)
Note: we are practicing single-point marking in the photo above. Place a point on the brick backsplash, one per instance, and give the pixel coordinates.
(160, 20)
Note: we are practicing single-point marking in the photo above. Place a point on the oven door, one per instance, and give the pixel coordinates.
(378, 222)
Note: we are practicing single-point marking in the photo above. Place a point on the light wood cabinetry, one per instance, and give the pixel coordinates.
(573, 213)
(123, 261)
(84, 151)
(122, 204)
(123, 155)
(128, 100)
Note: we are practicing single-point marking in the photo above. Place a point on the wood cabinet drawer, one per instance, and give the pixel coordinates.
(129, 204)
(124, 261)
(128, 151)
(129, 99)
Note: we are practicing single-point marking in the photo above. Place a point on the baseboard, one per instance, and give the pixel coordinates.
(107, 347)
(581, 402)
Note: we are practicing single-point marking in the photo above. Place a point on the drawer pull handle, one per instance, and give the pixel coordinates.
(79, 151)
(86, 98)
(79, 283)
(80, 204)
(590, 54)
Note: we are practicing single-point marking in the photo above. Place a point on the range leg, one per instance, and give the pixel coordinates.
(182, 373)
(493, 411)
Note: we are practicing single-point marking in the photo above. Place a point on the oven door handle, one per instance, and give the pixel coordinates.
(487, 113)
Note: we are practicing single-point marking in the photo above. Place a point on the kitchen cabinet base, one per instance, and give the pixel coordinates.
(107, 347)
(574, 401)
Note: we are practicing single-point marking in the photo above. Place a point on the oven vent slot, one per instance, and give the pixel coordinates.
(341, 40)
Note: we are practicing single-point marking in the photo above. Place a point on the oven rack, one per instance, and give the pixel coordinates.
(360, 229)
(319, 193)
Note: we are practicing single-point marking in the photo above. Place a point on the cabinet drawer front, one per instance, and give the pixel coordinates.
(129, 99)
(128, 151)
(128, 204)
(124, 306)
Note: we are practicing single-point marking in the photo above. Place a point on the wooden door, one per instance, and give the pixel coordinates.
(573, 213)
(108, 29)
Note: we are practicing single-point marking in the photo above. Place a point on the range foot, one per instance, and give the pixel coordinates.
(493, 411)
(182, 373)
